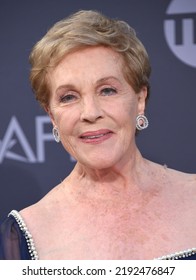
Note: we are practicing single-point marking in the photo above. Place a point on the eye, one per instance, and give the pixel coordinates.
(108, 91)
(68, 98)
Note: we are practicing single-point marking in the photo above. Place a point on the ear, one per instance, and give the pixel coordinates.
(142, 100)
(48, 111)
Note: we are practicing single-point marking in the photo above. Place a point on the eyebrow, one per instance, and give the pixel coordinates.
(105, 79)
(102, 80)
(65, 86)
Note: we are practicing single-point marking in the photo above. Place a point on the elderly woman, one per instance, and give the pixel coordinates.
(91, 74)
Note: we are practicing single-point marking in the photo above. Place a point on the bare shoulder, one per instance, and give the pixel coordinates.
(182, 179)
(174, 183)
(183, 188)
(49, 206)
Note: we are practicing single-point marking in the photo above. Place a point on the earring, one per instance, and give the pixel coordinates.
(56, 135)
(141, 122)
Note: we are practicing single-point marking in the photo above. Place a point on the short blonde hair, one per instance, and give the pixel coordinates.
(83, 29)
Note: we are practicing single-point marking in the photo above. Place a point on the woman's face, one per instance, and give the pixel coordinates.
(94, 108)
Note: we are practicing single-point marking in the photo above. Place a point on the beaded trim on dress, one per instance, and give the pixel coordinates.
(179, 255)
(28, 236)
(34, 255)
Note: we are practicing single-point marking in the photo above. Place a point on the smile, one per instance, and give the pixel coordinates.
(96, 136)
(92, 136)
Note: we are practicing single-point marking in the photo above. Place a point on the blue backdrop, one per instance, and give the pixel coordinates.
(31, 163)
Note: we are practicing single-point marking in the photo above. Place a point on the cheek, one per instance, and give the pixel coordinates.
(66, 121)
(129, 111)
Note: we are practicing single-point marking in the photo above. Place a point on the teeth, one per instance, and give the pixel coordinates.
(94, 136)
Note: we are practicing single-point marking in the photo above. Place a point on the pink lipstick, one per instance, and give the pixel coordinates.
(96, 136)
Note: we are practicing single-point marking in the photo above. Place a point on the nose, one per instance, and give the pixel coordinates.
(91, 109)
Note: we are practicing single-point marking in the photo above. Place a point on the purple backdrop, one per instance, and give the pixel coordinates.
(31, 163)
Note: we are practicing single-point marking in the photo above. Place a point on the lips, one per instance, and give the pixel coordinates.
(96, 136)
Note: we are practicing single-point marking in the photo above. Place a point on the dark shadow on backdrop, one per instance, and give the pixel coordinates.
(18, 189)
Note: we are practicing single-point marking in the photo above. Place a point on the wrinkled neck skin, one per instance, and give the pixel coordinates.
(124, 179)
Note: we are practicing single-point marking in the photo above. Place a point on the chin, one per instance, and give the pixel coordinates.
(99, 163)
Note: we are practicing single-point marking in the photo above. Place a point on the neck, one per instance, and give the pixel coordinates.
(121, 179)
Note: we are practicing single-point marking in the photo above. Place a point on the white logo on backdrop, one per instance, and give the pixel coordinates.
(180, 30)
(15, 135)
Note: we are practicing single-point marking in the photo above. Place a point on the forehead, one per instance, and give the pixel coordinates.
(87, 62)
